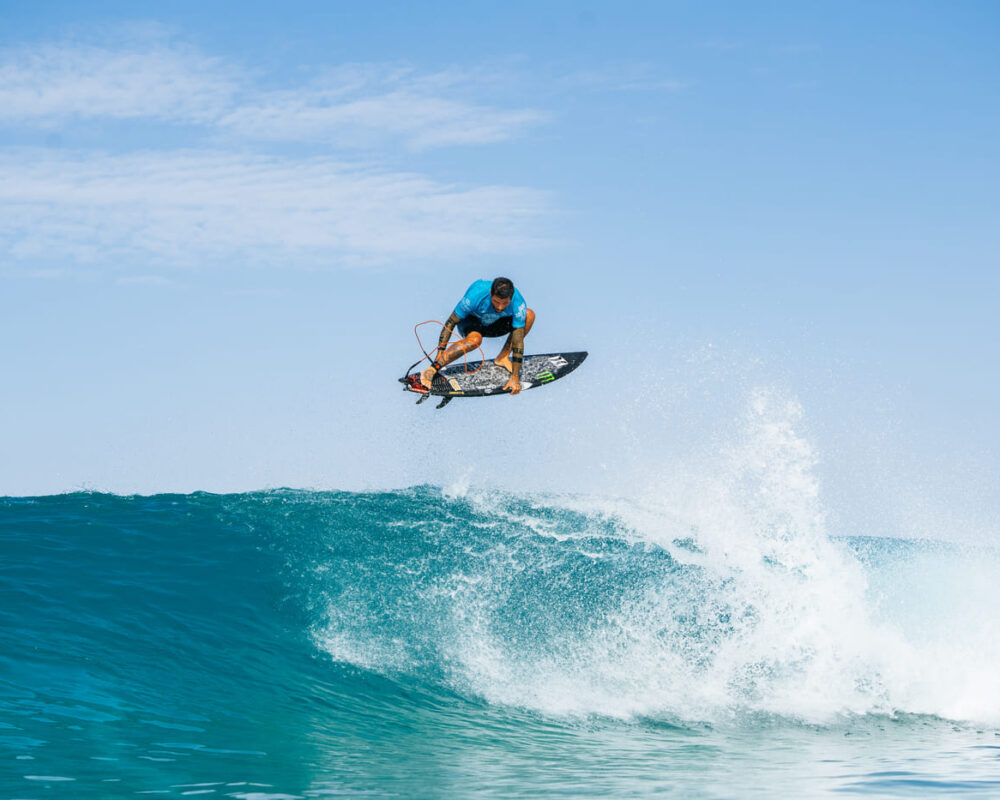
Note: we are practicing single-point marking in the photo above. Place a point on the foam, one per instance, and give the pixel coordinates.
(807, 643)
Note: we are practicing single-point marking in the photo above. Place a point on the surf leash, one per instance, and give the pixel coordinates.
(433, 361)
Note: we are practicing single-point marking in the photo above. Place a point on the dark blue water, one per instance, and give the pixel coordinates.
(421, 644)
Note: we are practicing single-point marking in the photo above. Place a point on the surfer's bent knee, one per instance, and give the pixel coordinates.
(475, 338)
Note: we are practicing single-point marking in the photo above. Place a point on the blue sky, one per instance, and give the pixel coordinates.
(219, 222)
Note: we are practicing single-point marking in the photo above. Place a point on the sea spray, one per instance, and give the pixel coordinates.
(728, 600)
(717, 596)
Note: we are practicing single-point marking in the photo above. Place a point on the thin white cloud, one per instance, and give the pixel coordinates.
(359, 104)
(362, 104)
(208, 208)
(50, 84)
(422, 121)
(219, 205)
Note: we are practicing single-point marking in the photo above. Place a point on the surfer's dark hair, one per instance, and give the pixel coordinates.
(502, 288)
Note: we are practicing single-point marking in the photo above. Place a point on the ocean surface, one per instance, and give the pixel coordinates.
(467, 643)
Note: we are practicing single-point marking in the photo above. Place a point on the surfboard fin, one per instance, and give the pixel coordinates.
(422, 398)
(444, 401)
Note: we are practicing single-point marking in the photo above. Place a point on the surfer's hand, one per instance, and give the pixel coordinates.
(514, 384)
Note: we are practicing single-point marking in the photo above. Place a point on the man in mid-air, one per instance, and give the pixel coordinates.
(486, 310)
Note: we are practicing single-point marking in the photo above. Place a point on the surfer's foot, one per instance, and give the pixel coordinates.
(426, 377)
(503, 361)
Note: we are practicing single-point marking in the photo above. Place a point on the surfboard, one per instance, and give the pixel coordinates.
(483, 378)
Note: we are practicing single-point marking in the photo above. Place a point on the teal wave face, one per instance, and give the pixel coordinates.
(413, 643)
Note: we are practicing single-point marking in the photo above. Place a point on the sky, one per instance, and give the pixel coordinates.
(220, 222)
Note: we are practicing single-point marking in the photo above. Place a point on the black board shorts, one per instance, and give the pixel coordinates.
(501, 327)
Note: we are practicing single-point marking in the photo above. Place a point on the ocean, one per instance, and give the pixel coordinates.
(463, 642)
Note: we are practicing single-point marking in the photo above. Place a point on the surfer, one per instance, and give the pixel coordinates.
(487, 309)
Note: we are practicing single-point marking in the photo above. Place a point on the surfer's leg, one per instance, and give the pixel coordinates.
(503, 358)
(460, 348)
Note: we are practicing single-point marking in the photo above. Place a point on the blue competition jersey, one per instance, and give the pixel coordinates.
(477, 303)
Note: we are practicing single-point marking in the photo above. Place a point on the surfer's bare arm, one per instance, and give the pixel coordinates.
(445, 337)
(516, 359)
(441, 355)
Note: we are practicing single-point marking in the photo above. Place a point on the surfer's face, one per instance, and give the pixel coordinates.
(499, 304)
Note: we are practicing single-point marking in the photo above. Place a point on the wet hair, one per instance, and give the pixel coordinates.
(502, 288)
